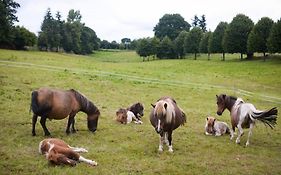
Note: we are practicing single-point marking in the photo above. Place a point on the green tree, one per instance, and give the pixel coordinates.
(23, 37)
(216, 40)
(126, 42)
(192, 41)
(170, 25)
(7, 19)
(179, 44)
(89, 40)
(204, 44)
(202, 23)
(236, 34)
(105, 44)
(195, 21)
(143, 48)
(166, 49)
(258, 37)
(274, 39)
(154, 45)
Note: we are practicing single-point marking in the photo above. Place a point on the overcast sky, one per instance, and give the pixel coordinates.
(117, 19)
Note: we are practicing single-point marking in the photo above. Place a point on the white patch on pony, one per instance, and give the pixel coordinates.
(170, 111)
(158, 126)
(130, 116)
(88, 161)
(78, 150)
(40, 145)
(171, 149)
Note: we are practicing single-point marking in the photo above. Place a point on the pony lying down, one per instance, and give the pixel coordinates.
(132, 113)
(60, 153)
(214, 127)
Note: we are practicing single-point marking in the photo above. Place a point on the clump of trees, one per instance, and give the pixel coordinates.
(176, 40)
(71, 35)
(13, 37)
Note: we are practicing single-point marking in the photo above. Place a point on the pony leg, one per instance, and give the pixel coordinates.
(240, 133)
(231, 134)
(69, 123)
(34, 120)
(43, 124)
(170, 142)
(166, 138)
(88, 161)
(160, 149)
(249, 134)
(78, 150)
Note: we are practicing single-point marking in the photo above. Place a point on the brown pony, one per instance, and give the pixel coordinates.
(58, 152)
(58, 104)
(244, 115)
(165, 117)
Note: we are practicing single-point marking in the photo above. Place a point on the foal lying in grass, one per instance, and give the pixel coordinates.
(58, 152)
(214, 127)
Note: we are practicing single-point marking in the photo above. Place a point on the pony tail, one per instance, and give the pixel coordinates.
(34, 102)
(267, 117)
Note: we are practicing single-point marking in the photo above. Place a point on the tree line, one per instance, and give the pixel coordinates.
(174, 39)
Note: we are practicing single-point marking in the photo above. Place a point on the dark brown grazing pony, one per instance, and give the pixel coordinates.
(244, 115)
(137, 109)
(165, 117)
(58, 104)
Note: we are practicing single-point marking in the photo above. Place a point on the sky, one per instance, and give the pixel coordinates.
(117, 19)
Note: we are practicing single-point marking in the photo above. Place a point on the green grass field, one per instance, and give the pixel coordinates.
(119, 79)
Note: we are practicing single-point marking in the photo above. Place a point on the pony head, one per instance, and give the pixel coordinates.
(137, 109)
(160, 111)
(210, 122)
(121, 116)
(93, 120)
(221, 103)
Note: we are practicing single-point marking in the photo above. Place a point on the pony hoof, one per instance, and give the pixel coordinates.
(247, 144)
(171, 151)
(33, 134)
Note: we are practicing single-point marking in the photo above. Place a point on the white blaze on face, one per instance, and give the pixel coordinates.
(158, 126)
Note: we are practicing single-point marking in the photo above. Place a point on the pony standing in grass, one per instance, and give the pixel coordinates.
(165, 117)
(58, 104)
(244, 115)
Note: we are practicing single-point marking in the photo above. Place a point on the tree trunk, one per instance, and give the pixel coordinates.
(263, 56)
(223, 56)
(209, 56)
(241, 56)
(142, 59)
(195, 56)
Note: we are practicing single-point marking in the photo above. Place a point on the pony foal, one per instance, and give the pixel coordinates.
(165, 117)
(132, 113)
(58, 152)
(214, 127)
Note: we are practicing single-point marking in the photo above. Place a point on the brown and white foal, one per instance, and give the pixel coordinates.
(59, 152)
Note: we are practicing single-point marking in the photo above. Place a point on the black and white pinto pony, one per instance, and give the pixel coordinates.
(132, 113)
(244, 115)
(165, 117)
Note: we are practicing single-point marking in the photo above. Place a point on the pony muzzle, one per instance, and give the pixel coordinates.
(219, 112)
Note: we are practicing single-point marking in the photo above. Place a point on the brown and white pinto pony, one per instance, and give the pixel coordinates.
(58, 104)
(58, 152)
(244, 115)
(165, 117)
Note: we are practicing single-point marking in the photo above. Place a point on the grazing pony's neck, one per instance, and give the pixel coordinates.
(229, 102)
(85, 105)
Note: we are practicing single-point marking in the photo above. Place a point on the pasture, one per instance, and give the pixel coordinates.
(119, 79)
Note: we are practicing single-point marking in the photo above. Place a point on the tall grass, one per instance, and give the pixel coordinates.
(118, 79)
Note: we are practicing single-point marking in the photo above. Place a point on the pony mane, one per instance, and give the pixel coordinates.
(86, 105)
(169, 112)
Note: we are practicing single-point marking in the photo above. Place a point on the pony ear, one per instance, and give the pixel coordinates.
(207, 118)
(217, 96)
(223, 96)
(165, 105)
(153, 105)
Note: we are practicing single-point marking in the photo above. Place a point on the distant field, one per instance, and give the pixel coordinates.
(119, 79)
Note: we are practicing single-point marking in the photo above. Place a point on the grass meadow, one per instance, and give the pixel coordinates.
(119, 79)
